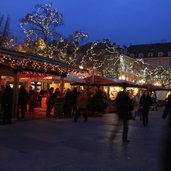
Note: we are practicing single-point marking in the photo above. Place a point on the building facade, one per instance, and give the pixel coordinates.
(155, 55)
(158, 58)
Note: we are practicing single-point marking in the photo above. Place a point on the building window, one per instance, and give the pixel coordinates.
(169, 53)
(159, 63)
(150, 54)
(160, 53)
(140, 55)
(169, 62)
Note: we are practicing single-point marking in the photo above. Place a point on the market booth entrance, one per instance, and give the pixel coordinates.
(14, 64)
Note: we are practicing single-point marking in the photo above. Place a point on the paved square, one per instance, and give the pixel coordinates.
(62, 145)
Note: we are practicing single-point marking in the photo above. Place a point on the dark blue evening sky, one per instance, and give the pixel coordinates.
(124, 22)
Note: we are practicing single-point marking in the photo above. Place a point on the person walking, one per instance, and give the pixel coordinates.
(74, 101)
(124, 107)
(22, 101)
(50, 101)
(167, 110)
(81, 105)
(67, 107)
(1, 94)
(145, 103)
(31, 98)
(166, 157)
(154, 101)
(7, 104)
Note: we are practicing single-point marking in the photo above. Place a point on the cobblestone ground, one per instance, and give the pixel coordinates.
(62, 145)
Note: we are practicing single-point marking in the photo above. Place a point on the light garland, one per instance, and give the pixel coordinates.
(21, 64)
(100, 58)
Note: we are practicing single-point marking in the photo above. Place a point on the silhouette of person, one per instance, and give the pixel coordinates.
(50, 101)
(31, 98)
(145, 103)
(22, 101)
(7, 104)
(81, 104)
(124, 107)
(166, 155)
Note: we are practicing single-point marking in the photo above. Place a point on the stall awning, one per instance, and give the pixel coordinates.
(20, 61)
(154, 87)
(105, 81)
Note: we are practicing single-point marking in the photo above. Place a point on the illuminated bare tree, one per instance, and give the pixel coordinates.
(42, 23)
(160, 75)
(140, 70)
(101, 58)
(40, 27)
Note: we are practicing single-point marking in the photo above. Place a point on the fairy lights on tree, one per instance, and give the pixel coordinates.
(100, 58)
(140, 70)
(40, 28)
(42, 23)
(161, 76)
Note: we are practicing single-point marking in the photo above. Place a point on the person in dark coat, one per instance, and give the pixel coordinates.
(1, 94)
(50, 101)
(166, 153)
(81, 105)
(145, 103)
(22, 101)
(67, 103)
(74, 101)
(166, 157)
(124, 107)
(31, 98)
(7, 104)
(167, 110)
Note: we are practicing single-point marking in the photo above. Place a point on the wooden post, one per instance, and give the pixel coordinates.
(29, 84)
(61, 85)
(108, 92)
(15, 95)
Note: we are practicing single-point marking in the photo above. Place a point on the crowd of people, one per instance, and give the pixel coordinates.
(25, 98)
(76, 102)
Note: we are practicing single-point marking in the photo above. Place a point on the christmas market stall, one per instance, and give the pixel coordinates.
(110, 86)
(18, 68)
(160, 92)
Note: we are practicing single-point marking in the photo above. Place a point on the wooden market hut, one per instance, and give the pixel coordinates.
(100, 81)
(13, 63)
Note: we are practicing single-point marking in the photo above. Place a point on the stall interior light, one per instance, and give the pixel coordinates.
(142, 81)
(157, 84)
(122, 77)
(48, 78)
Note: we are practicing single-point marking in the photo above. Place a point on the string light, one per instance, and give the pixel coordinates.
(22, 64)
(42, 22)
(101, 58)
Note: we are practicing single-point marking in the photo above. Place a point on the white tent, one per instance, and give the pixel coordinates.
(162, 95)
(72, 79)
